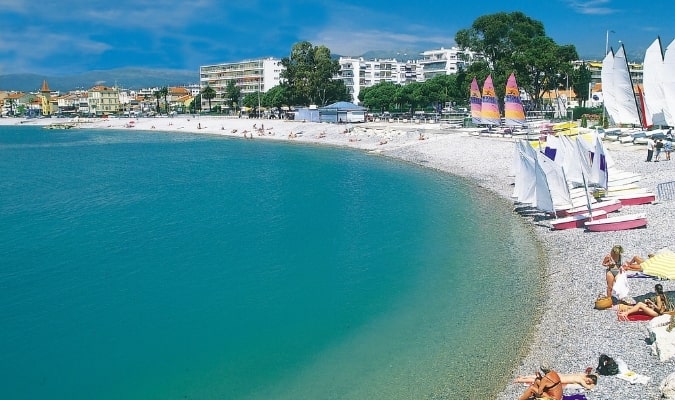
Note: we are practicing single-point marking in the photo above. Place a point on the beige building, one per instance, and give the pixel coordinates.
(104, 100)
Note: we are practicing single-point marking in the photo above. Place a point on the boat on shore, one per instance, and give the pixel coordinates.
(617, 223)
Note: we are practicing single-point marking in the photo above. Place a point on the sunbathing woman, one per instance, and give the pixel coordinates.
(548, 385)
(588, 381)
(652, 307)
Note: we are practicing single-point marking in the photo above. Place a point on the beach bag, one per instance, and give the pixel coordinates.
(607, 365)
(603, 302)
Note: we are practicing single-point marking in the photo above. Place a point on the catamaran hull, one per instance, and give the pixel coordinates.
(633, 200)
(576, 221)
(618, 223)
(607, 206)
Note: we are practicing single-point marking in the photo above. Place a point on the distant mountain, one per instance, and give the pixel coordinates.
(128, 78)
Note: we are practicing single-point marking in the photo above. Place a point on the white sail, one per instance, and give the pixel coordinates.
(556, 182)
(626, 105)
(540, 182)
(669, 83)
(607, 79)
(652, 78)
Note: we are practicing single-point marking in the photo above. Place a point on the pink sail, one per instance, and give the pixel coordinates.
(514, 114)
(475, 99)
(489, 109)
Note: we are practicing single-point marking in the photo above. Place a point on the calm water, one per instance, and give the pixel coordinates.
(165, 266)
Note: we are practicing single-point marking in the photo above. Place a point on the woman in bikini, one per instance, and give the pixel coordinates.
(613, 264)
(548, 385)
(652, 307)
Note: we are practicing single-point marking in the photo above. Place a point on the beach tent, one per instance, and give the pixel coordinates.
(661, 265)
(342, 111)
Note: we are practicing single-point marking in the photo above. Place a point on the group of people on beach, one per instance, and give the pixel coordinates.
(549, 384)
(653, 307)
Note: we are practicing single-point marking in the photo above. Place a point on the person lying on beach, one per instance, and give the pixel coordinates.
(653, 307)
(588, 381)
(548, 385)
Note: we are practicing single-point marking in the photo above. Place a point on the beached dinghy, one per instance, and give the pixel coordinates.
(618, 223)
(608, 206)
(577, 221)
(633, 199)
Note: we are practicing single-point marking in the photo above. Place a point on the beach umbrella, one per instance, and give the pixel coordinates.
(662, 264)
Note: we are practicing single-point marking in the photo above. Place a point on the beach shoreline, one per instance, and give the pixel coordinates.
(567, 332)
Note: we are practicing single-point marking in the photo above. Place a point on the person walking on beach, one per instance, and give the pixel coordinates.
(668, 148)
(548, 385)
(658, 146)
(650, 149)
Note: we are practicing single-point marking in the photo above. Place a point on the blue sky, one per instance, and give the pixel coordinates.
(71, 36)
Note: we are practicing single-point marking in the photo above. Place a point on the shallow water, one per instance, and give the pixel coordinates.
(168, 266)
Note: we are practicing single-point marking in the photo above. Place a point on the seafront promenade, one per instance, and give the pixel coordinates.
(570, 335)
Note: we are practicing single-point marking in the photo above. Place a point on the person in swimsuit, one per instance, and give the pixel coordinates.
(547, 385)
(613, 264)
(588, 381)
(652, 307)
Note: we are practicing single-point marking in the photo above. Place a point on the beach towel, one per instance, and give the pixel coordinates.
(575, 396)
(636, 316)
(639, 274)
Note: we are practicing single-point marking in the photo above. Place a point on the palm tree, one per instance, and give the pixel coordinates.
(208, 93)
(164, 92)
(158, 95)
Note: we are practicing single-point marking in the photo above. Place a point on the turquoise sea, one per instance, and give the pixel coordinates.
(144, 265)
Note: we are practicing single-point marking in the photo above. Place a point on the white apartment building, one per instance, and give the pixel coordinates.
(250, 76)
(444, 62)
(358, 73)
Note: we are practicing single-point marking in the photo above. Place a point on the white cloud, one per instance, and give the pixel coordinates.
(593, 7)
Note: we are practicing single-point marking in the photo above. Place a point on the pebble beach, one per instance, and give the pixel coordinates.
(567, 332)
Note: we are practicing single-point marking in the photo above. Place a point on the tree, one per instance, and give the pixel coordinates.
(580, 81)
(277, 97)
(516, 43)
(309, 73)
(164, 91)
(208, 93)
(158, 95)
(251, 100)
(380, 96)
(232, 94)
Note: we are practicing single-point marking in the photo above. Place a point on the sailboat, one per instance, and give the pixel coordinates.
(599, 175)
(655, 99)
(540, 183)
(514, 114)
(624, 91)
(489, 108)
(475, 100)
(668, 82)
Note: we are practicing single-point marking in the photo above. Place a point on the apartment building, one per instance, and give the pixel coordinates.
(443, 62)
(104, 100)
(357, 73)
(250, 76)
